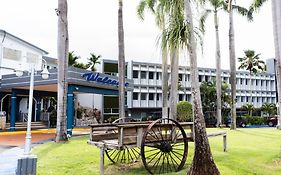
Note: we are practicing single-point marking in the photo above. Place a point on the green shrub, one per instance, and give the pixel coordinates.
(254, 120)
(184, 111)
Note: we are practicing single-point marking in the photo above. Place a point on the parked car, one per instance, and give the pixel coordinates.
(272, 121)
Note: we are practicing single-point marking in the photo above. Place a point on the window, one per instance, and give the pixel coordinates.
(151, 75)
(143, 75)
(242, 99)
(11, 54)
(31, 58)
(261, 82)
(135, 96)
(135, 74)
(151, 96)
(206, 78)
(180, 97)
(180, 77)
(241, 81)
(200, 78)
(158, 96)
(247, 83)
(158, 74)
(143, 96)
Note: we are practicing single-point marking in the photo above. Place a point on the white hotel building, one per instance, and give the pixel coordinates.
(146, 97)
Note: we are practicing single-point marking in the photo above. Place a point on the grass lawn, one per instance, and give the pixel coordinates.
(250, 151)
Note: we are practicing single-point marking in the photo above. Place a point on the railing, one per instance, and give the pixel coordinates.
(111, 110)
(24, 117)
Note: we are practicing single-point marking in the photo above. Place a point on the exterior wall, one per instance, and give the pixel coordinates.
(147, 94)
(8, 65)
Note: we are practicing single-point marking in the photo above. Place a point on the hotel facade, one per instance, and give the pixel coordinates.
(146, 97)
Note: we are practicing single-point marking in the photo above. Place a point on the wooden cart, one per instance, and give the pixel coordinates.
(161, 144)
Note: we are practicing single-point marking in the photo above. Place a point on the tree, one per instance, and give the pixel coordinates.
(121, 61)
(253, 64)
(203, 162)
(269, 108)
(62, 45)
(72, 61)
(158, 9)
(208, 96)
(249, 108)
(93, 60)
(217, 5)
(184, 111)
(276, 18)
(232, 60)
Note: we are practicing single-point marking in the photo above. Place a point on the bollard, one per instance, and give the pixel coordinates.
(27, 165)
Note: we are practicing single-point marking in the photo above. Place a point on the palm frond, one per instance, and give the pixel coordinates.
(203, 18)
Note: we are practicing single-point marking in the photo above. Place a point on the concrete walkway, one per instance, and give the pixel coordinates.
(12, 144)
(9, 159)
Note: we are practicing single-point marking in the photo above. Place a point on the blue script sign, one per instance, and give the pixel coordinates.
(106, 80)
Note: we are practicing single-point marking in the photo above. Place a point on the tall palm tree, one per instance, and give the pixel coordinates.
(276, 18)
(160, 9)
(93, 60)
(121, 61)
(232, 60)
(62, 45)
(218, 5)
(203, 162)
(253, 64)
(276, 8)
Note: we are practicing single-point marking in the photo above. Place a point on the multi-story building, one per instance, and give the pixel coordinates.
(146, 97)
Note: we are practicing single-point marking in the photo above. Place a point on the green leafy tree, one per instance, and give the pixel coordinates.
(184, 111)
(251, 62)
(93, 60)
(208, 96)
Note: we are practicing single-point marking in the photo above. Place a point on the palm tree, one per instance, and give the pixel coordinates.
(203, 162)
(218, 5)
(159, 9)
(72, 58)
(93, 60)
(63, 45)
(232, 60)
(249, 108)
(121, 61)
(269, 108)
(276, 8)
(253, 64)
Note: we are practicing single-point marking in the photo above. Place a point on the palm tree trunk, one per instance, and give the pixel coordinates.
(251, 95)
(276, 16)
(232, 62)
(218, 72)
(121, 61)
(174, 83)
(63, 45)
(203, 162)
(165, 85)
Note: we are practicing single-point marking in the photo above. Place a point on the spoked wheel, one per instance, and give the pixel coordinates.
(125, 155)
(164, 147)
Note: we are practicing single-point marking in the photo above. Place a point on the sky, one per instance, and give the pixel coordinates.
(93, 29)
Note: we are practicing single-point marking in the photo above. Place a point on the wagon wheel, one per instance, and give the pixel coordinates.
(164, 147)
(125, 155)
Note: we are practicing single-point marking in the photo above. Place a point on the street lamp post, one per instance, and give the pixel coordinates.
(45, 75)
(278, 116)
